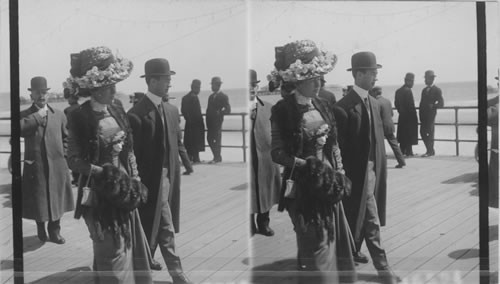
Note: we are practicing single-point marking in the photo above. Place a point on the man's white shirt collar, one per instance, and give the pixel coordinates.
(154, 98)
(361, 92)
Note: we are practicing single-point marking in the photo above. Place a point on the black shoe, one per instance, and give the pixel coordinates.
(155, 265)
(180, 278)
(388, 276)
(426, 155)
(360, 257)
(57, 238)
(400, 166)
(40, 230)
(266, 231)
(215, 161)
(186, 173)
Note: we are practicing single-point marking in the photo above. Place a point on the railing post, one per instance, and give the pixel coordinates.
(243, 132)
(456, 132)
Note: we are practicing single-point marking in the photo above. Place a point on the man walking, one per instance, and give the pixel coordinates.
(155, 126)
(360, 134)
(431, 100)
(407, 120)
(46, 186)
(194, 129)
(386, 114)
(218, 106)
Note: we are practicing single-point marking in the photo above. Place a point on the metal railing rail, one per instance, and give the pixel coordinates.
(244, 130)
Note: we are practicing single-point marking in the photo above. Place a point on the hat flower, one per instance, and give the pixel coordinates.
(96, 67)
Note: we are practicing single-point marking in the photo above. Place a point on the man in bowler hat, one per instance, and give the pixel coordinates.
(386, 114)
(407, 120)
(155, 126)
(431, 100)
(218, 106)
(361, 136)
(46, 185)
(194, 130)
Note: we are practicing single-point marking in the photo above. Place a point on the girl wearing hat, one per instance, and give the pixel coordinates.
(100, 149)
(304, 141)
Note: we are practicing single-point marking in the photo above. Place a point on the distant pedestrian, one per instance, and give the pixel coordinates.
(46, 186)
(265, 175)
(407, 133)
(431, 100)
(324, 93)
(386, 114)
(194, 129)
(218, 106)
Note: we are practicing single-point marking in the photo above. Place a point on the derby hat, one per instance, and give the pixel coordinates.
(38, 83)
(216, 80)
(196, 82)
(253, 77)
(410, 76)
(157, 67)
(429, 73)
(364, 60)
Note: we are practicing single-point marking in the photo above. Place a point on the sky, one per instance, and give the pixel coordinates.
(202, 39)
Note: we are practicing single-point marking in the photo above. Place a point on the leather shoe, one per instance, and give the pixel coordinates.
(388, 276)
(266, 231)
(425, 155)
(155, 265)
(360, 257)
(400, 166)
(181, 278)
(57, 238)
(186, 173)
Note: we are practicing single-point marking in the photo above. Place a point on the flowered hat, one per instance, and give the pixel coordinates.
(300, 60)
(96, 67)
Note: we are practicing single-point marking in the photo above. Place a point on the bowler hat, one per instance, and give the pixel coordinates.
(196, 82)
(38, 83)
(410, 76)
(216, 80)
(253, 77)
(157, 67)
(364, 60)
(429, 73)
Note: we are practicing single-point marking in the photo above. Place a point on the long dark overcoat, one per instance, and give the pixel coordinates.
(46, 184)
(194, 129)
(149, 149)
(354, 141)
(407, 133)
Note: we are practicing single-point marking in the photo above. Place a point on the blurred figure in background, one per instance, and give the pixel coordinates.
(386, 114)
(407, 121)
(194, 129)
(324, 93)
(218, 106)
(431, 100)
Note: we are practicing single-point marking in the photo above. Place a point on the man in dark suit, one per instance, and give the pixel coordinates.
(194, 129)
(155, 126)
(407, 120)
(46, 186)
(360, 134)
(431, 100)
(218, 106)
(324, 93)
(386, 114)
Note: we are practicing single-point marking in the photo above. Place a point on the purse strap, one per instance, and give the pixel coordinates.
(88, 179)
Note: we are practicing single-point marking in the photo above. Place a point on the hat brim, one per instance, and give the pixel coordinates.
(158, 74)
(365, 68)
(45, 89)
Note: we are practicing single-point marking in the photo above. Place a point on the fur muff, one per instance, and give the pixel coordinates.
(320, 188)
(119, 189)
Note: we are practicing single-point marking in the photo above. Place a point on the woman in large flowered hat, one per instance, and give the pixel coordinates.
(101, 150)
(304, 141)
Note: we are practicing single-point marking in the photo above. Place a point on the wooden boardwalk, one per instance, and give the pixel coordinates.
(431, 234)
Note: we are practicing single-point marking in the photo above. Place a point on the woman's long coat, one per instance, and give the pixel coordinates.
(265, 177)
(407, 133)
(46, 185)
(354, 142)
(194, 129)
